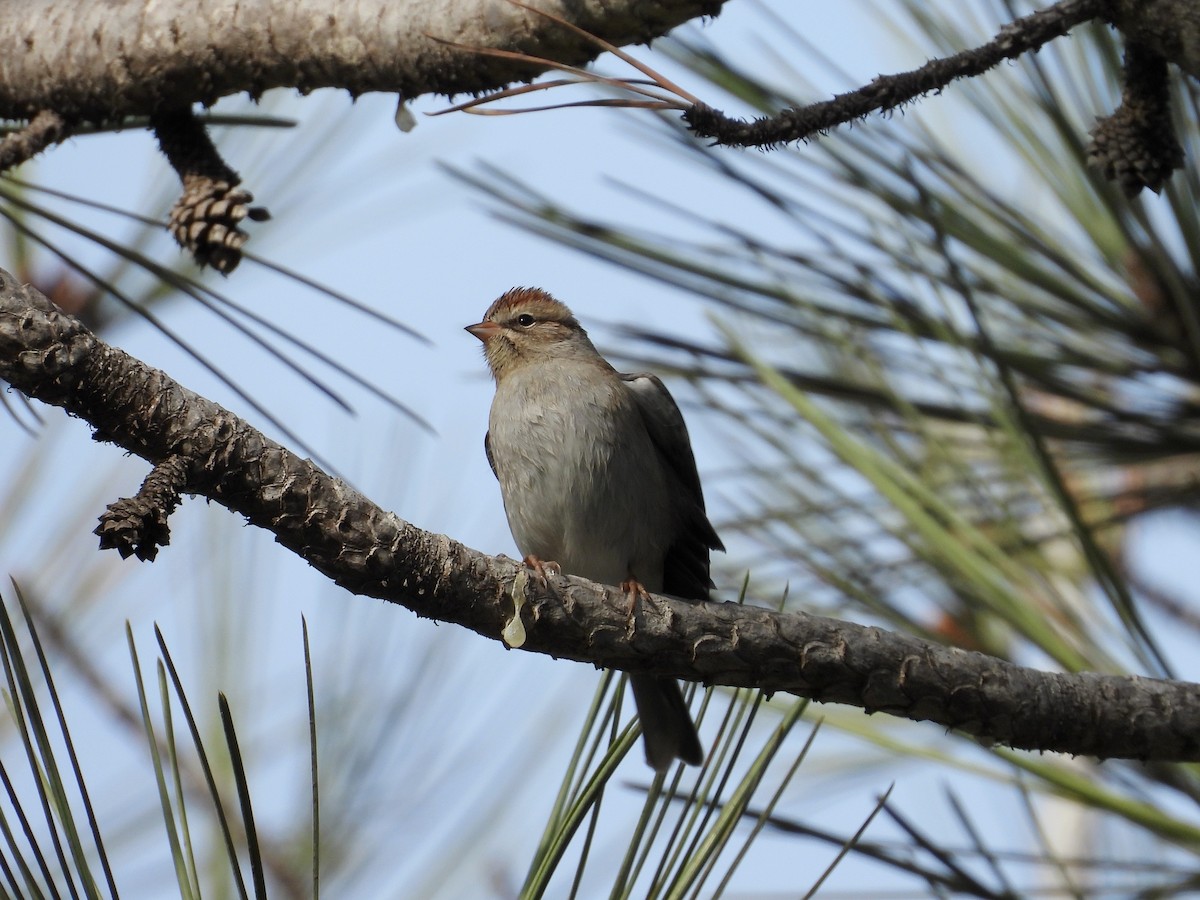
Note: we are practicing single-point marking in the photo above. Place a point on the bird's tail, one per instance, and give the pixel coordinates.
(667, 729)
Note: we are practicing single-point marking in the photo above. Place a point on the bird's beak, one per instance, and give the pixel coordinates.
(485, 331)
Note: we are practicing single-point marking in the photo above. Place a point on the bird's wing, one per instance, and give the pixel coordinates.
(665, 424)
(686, 566)
(487, 449)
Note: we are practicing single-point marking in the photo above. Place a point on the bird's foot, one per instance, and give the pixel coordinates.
(542, 566)
(634, 591)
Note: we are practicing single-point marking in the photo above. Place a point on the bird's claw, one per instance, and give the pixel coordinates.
(634, 591)
(541, 567)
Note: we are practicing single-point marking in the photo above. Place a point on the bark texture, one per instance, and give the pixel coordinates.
(51, 356)
(100, 60)
(1171, 28)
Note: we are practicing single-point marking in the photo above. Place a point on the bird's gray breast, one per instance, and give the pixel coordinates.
(583, 483)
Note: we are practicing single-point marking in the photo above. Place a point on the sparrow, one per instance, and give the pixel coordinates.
(598, 479)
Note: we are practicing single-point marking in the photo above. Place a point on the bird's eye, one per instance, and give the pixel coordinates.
(525, 320)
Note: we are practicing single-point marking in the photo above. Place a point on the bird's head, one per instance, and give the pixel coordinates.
(527, 325)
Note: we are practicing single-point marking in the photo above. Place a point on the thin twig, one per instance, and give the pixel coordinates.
(890, 92)
(44, 129)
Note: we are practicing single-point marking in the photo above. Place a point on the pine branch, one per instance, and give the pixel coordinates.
(103, 60)
(891, 92)
(51, 356)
